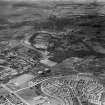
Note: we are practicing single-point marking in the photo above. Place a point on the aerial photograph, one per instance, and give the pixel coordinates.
(52, 52)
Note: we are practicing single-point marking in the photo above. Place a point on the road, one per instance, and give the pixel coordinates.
(24, 101)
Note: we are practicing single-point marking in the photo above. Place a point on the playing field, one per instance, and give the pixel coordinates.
(19, 82)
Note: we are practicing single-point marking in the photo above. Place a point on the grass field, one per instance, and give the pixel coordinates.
(29, 94)
(19, 82)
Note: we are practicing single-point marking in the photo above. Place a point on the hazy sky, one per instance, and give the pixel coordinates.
(48, 0)
(58, 0)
